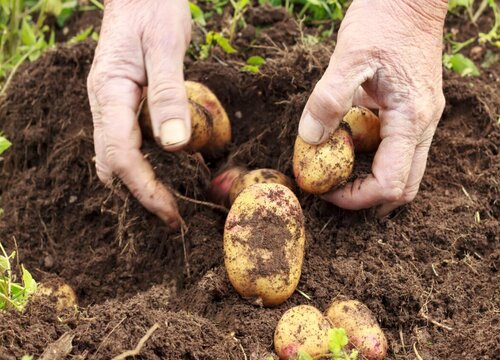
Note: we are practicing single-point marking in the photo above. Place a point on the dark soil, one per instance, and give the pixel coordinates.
(429, 273)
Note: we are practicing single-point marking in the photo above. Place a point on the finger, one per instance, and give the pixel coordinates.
(390, 169)
(361, 98)
(332, 97)
(122, 141)
(167, 98)
(417, 171)
(103, 171)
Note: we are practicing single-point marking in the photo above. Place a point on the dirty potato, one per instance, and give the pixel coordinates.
(365, 128)
(320, 168)
(61, 293)
(361, 327)
(302, 328)
(221, 131)
(264, 243)
(259, 176)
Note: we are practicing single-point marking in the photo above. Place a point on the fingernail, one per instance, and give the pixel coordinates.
(310, 129)
(173, 132)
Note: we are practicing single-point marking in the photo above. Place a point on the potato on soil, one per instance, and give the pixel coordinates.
(259, 176)
(362, 329)
(302, 328)
(221, 131)
(59, 292)
(264, 243)
(320, 168)
(365, 129)
(221, 184)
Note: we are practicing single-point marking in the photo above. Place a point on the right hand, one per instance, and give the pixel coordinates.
(142, 43)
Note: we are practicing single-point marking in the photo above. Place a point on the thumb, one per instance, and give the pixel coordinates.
(331, 98)
(166, 93)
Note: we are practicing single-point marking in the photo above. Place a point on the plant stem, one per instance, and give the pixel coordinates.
(14, 70)
(479, 11)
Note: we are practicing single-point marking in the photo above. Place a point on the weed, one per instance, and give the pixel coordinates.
(337, 341)
(253, 64)
(14, 295)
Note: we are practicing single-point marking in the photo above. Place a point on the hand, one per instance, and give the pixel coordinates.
(142, 43)
(388, 57)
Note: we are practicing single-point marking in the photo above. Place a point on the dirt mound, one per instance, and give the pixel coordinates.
(429, 273)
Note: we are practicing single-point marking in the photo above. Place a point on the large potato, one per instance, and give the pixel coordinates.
(264, 243)
(221, 133)
(365, 128)
(320, 168)
(302, 328)
(361, 327)
(259, 176)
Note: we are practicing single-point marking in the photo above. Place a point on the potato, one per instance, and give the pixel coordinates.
(59, 292)
(320, 168)
(210, 125)
(221, 184)
(259, 176)
(221, 133)
(361, 327)
(201, 125)
(264, 243)
(302, 328)
(365, 128)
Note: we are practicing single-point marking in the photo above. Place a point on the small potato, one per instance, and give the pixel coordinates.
(302, 328)
(259, 176)
(221, 134)
(365, 128)
(320, 168)
(221, 185)
(61, 293)
(201, 125)
(264, 243)
(361, 327)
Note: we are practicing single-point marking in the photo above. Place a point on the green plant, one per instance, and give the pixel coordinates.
(27, 357)
(239, 8)
(337, 341)
(24, 33)
(14, 295)
(253, 64)
(215, 39)
(460, 64)
(4, 143)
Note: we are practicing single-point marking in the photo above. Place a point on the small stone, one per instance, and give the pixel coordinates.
(72, 199)
(48, 261)
(476, 53)
(238, 115)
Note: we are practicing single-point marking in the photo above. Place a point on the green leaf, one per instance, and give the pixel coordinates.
(302, 355)
(29, 283)
(453, 4)
(27, 34)
(82, 35)
(53, 7)
(27, 357)
(224, 43)
(197, 14)
(256, 60)
(251, 68)
(460, 64)
(64, 15)
(337, 339)
(4, 144)
(4, 5)
(489, 59)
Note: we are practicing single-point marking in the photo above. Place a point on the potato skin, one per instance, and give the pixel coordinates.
(361, 327)
(264, 243)
(221, 133)
(303, 328)
(63, 293)
(320, 168)
(365, 128)
(258, 176)
(221, 185)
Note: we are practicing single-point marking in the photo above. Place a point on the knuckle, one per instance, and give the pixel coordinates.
(324, 101)
(393, 192)
(166, 94)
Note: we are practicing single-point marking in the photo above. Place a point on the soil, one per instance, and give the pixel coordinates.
(429, 272)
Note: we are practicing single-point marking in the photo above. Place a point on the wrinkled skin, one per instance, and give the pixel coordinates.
(388, 57)
(140, 38)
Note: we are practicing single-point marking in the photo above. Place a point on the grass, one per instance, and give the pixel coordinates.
(25, 34)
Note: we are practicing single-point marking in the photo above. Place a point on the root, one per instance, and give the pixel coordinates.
(139, 346)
